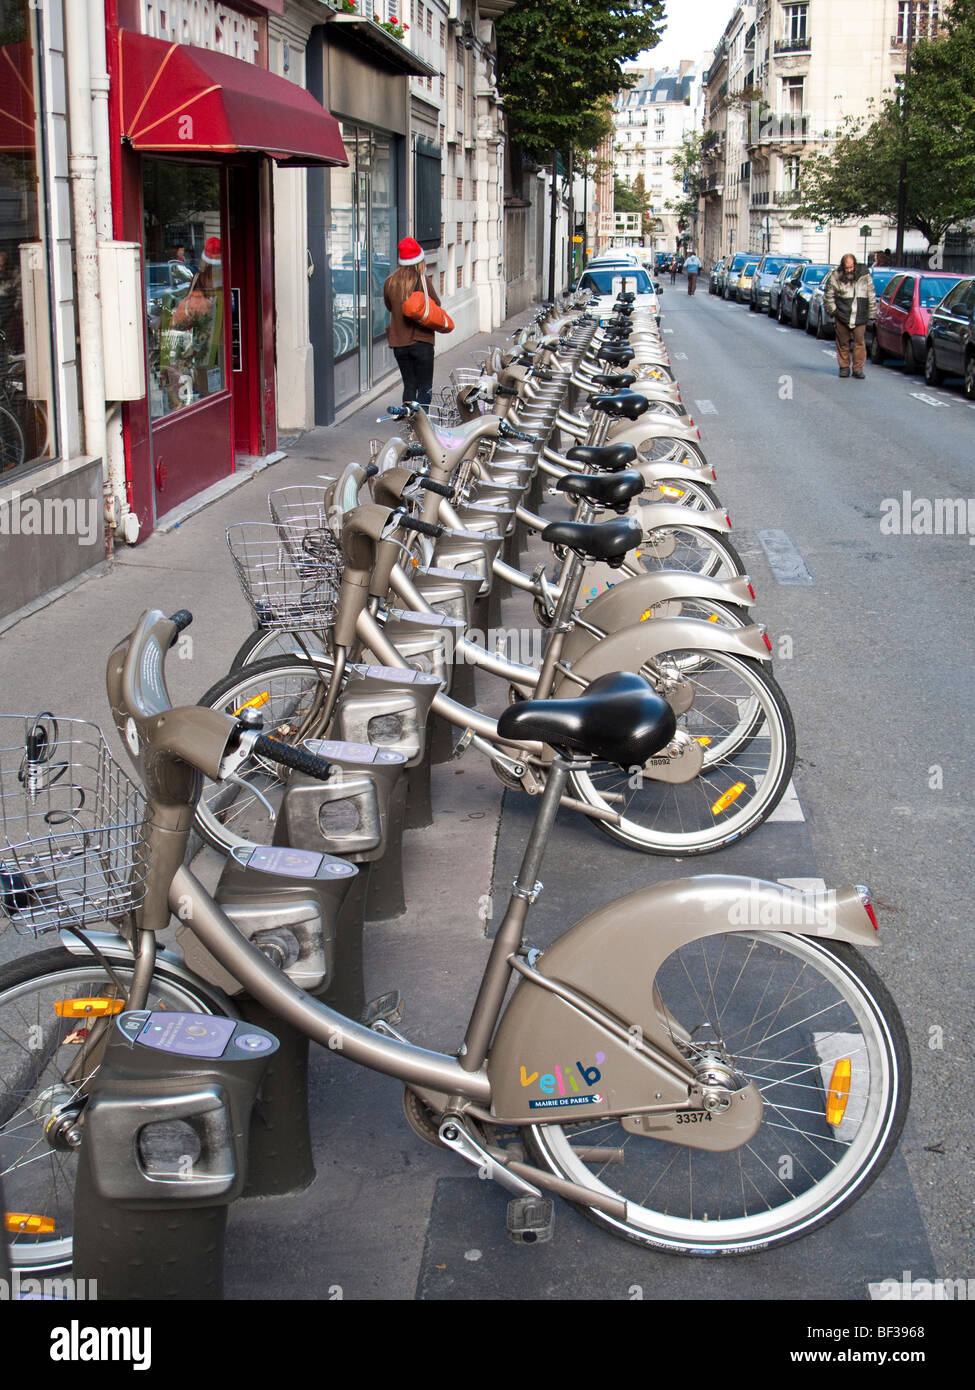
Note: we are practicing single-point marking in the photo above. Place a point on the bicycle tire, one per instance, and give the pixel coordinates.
(13, 450)
(697, 551)
(739, 707)
(264, 643)
(805, 1169)
(226, 816)
(33, 1059)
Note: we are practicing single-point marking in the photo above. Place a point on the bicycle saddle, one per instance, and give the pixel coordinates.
(611, 458)
(603, 540)
(615, 381)
(621, 357)
(620, 719)
(614, 490)
(622, 405)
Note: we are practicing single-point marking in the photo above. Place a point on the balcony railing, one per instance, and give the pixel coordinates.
(761, 198)
(793, 45)
(784, 196)
(925, 28)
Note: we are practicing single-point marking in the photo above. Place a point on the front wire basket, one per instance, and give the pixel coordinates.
(73, 831)
(290, 576)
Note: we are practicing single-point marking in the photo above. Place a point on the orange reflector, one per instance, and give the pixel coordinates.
(646, 615)
(839, 1091)
(671, 491)
(704, 741)
(255, 702)
(414, 561)
(88, 1008)
(723, 802)
(712, 617)
(22, 1222)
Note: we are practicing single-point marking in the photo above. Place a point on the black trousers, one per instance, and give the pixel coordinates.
(415, 362)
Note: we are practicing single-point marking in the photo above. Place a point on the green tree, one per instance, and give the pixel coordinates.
(559, 60)
(928, 127)
(686, 164)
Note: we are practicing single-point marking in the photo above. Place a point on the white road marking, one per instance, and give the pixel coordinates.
(828, 352)
(789, 808)
(666, 330)
(707, 407)
(930, 400)
(785, 562)
(680, 356)
(781, 330)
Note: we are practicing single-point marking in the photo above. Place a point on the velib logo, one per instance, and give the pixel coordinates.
(561, 1086)
(50, 516)
(77, 1343)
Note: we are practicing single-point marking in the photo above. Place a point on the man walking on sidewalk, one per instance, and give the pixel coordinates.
(693, 267)
(848, 294)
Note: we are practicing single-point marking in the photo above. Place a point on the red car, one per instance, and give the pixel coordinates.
(903, 311)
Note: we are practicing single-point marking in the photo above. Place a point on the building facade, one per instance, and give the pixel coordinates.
(650, 121)
(785, 74)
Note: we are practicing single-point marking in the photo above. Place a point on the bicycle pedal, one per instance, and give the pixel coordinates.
(388, 1008)
(531, 1220)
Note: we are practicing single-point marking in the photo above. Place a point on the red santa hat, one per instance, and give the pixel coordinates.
(410, 252)
(211, 251)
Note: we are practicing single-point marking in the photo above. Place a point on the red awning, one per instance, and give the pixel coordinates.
(16, 100)
(173, 97)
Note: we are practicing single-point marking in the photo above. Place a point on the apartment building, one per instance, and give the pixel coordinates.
(784, 75)
(650, 120)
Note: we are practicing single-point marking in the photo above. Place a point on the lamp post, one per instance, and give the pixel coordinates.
(864, 232)
(902, 172)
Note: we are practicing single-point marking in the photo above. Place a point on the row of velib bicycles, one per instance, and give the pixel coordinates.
(706, 1066)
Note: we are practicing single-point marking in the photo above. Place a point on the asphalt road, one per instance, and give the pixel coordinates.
(876, 656)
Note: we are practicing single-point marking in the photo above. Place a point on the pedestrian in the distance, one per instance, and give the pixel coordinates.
(412, 344)
(693, 268)
(673, 270)
(849, 296)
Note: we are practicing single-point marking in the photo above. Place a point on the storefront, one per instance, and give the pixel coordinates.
(197, 116)
(357, 215)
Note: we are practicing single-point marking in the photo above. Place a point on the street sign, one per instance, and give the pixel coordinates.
(865, 231)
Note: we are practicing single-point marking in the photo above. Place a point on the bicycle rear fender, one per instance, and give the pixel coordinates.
(582, 1056)
(651, 427)
(661, 515)
(630, 600)
(667, 470)
(629, 647)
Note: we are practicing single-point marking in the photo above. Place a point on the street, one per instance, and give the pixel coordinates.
(875, 656)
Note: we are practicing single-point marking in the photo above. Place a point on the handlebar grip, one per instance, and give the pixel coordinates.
(425, 528)
(441, 489)
(414, 451)
(289, 756)
(180, 619)
(371, 470)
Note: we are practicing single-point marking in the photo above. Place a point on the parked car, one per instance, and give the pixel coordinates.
(166, 281)
(903, 313)
(742, 287)
(607, 281)
(950, 341)
(775, 289)
(715, 285)
(735, 266)
(797, 291)
(765, 276)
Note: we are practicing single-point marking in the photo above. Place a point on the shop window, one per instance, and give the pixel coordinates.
(27, 415)
(182, 229)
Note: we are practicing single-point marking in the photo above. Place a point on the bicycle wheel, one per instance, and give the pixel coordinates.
(286, 692)
(684, 546)
(264, 643)
(37, 1046)
(665, 448)
(737, 710)
(684, 491)
(780, 1011)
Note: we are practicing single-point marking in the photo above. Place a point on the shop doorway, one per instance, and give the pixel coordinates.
(364, 220)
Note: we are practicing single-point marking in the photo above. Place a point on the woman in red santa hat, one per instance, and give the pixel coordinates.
(412, 344)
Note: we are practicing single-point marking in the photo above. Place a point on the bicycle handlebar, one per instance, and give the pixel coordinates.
(180, 620)
(299, 759)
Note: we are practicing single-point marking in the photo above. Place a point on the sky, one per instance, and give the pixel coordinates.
(693, 29)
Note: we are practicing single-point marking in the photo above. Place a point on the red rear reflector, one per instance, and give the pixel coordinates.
(727, 517)
(714, 475)
(699, 434)
(864, 896)
(765, 639)
(750, 589)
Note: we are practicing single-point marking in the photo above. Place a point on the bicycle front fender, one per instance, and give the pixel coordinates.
(617, 1029)
(628, 648)
(674, 470)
